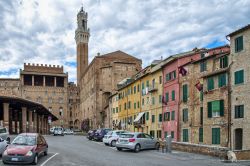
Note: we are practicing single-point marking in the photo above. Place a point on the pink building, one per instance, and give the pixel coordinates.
(171, 89)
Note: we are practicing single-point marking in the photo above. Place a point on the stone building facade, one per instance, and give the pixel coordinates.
(240, 86)
(47, 85)
(10, 86)
(73, 105)
(98, 80)
(204, 98)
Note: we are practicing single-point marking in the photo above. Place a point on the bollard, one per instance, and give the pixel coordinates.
(169, 144)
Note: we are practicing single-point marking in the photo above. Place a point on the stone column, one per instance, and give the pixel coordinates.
(30, 122)
(33, 80)
(24, 119)
(54, 81)
(44, 81)
(44, 125)
(6, 115)
(35, 123)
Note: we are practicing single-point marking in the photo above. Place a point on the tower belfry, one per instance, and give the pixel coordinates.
(82, 39)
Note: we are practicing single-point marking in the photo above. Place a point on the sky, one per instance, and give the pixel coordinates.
(42, 31)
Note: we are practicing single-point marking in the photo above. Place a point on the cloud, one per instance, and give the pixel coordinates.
(42, 31)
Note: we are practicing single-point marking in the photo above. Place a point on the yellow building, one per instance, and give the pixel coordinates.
(114, 110)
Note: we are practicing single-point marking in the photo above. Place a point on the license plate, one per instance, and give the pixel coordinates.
(14, 159)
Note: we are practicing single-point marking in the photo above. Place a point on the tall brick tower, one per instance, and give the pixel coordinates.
(82, 39)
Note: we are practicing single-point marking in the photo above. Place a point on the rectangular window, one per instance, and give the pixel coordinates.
(238, 77)
(167, 97)
(166, 116)
(203, 66)
(153, 100)
(173, 115)
(134, 89)
(160, 98)
(239, 111)
(172, 134)
(147, 83)
(185, 115)
(238, 44)
(222, 80)
(185, 135)
(152, 133)
(160, 79)
(158, 133)
(153, 118)
(129, 105)
(116, 109)
(201, 115)
(201, 95)
(185, 93)
(215, 108)
(173, 95)
(223, 62)
(138, 104)
(200, 134)
(142, 86)
(174, 74)
(147, 115)
(120, 108)
(216, 136)
(113, 110)
(165, 134)
(210, 83)
(125, 106)
(134, 105)
(160, 117)
(143, 102)
(138, 88)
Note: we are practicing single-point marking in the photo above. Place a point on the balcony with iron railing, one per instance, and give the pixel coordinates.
(153, 88)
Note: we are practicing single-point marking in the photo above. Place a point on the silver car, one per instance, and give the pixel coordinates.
(136, 142)
(4, 134)
(3, 145)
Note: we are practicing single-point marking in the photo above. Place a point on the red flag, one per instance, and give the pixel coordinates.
(182, 70)
(199, 86)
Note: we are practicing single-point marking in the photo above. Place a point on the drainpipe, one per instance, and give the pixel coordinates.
(229, 143)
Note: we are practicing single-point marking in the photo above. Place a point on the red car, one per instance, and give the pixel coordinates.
(25, 149)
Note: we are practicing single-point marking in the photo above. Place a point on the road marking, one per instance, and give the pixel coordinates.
(99, 143)
(48, 159)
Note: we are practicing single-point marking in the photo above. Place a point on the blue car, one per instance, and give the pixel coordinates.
(99, 134)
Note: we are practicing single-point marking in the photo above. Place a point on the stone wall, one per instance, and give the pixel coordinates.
(43, 68)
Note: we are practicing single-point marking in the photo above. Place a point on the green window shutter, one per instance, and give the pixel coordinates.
(134, 105)
(160, 99)
(221, 107)
(172, 134)
(147, 83)
(185, 93)
(138, 104)
(201, 115)
(209, 109)
(201, 95)
(138, 88)
(129, 105)
(165, 134)
(173, 95)
(185, 115)
(222, 80)
(160, 117)
(239, 77)
(173, 115)
(143, 102)
(174, 74)
(116, 109)
(147, 115)
(210, 83)
(238, 44)
(134, 89)
(142, 86)
(200, 134)
(153, 118)
(167, 97)
(185, 135)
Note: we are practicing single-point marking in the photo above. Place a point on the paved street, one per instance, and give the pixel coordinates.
(78, 151)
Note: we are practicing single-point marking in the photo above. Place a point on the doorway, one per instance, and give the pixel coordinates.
(238, 139)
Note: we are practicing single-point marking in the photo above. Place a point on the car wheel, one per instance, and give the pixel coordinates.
(46, 152)
(157, 146)
(137, 148)
(113, 143)
(106, 144)
(119, 149)
(35, 161)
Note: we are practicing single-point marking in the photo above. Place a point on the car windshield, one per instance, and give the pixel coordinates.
(127, 135)
(3, 130)
(109, 133)
(24, 140)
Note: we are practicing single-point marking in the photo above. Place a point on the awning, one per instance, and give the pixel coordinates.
(139, 116)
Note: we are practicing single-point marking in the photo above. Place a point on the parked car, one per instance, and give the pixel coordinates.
(25, 149)
(4, 134)
(99, 134)
(91, 134)
(136, 141)
(3, 145)
(51, 130)
(58, 131)
(68, 132)
(111, 137)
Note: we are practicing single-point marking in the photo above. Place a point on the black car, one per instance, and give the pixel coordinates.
(99, 134)
(91, 134)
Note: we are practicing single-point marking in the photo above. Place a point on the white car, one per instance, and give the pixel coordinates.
(3, 145)
(4, 134)
(111, 137)
(68, 132)
(58, 131)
